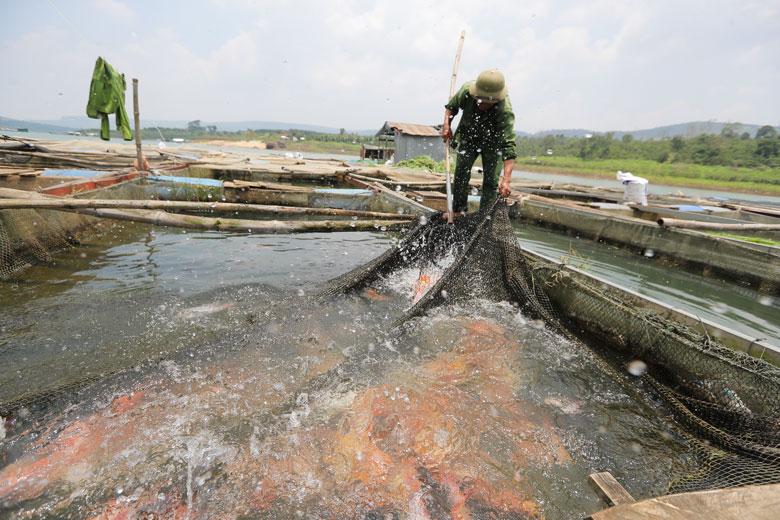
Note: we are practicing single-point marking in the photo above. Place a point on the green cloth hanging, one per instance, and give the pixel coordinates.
(107, 96)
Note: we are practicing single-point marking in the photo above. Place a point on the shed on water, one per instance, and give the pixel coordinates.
(413, 140)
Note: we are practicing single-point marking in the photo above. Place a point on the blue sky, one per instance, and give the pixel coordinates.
(599, 64)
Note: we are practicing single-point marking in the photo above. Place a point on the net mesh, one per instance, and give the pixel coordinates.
(31, 236)
(725, 403)
(34, 237)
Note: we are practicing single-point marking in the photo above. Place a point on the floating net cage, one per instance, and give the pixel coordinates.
(724, 403)
(32, 236)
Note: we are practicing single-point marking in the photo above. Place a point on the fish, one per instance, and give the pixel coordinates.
(565, 405)
(418, 446)
(201, 311)
(424, 284)
(374, 295)
(446, 438)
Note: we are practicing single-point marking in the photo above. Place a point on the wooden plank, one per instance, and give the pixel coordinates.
(212, 207)
(719, 226)
(275, 186)
(391, 194)
(754, 209)
(283, 198)
(753, 502)
(7, 172)
(79, 185)
(394, 182)
(610, 489)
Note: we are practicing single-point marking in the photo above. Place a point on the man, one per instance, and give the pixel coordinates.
(486, 128)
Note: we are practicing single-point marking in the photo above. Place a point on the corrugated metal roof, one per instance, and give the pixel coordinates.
(413, 129)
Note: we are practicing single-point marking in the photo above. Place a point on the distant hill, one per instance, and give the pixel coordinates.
(566, 132)
(80, 122)
(32, 126)
(690, 129)
(70, 123)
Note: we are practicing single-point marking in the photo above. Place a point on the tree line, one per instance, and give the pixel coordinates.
(726, 149)
(195, 130)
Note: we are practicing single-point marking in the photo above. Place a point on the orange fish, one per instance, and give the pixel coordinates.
(373, 294)
(423, 284)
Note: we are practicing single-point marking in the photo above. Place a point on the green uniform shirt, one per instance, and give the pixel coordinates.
(107, 96)
(493, 129)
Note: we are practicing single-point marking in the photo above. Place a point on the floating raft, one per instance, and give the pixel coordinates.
(757, 264)
(754, 502)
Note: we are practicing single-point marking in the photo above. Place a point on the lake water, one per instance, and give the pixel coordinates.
(226, 392)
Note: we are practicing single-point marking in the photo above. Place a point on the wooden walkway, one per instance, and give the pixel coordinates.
(743, 503)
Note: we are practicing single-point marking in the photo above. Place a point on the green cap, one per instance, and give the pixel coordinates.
(490, 86)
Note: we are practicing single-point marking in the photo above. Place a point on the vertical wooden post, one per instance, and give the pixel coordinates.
(137, 121)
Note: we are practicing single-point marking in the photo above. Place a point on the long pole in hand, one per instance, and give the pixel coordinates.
(453, 80)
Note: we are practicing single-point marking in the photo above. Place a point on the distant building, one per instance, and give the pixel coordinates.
(405, 141)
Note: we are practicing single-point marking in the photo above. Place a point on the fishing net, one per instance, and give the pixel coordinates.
(725, 403)
(31, 236)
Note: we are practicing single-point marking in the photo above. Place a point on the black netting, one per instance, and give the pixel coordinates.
(724, 402)
(32, 236)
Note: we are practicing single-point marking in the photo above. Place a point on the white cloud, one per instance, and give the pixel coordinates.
(604, 65)
(114, 9)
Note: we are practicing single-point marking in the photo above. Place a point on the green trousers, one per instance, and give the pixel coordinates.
(492, 165)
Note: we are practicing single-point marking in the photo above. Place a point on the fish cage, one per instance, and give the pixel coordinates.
(372, 414)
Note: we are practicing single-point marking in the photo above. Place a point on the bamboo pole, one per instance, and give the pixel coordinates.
(71, 203)
(161, 218)
(379, 188)
(418, 184)
(64, 160)
(753, 209)
(137, 122)
(453, 79)
(693, 224)
(206, 223)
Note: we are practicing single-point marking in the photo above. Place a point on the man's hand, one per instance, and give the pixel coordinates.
(446, 133)
(455, 215)
(503, 187)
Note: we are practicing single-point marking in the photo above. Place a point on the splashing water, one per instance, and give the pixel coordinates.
(281, 407)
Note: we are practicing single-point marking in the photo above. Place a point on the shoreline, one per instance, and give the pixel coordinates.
(669, 181)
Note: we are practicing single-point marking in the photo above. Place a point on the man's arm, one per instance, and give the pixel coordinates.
(503, 187)
(446, 128)
(508, 147)
(451, 110)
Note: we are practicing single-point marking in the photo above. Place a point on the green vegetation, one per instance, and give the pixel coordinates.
(727, 161)
(293, 140)
(756, 240)
(424, 162)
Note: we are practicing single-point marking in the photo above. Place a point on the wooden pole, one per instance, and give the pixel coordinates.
(754, 209)
(226, 207)
(161, 218)
(453, 80)
(137, 121)
(693, 224)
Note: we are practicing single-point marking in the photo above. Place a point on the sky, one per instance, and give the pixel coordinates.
(601, 65)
